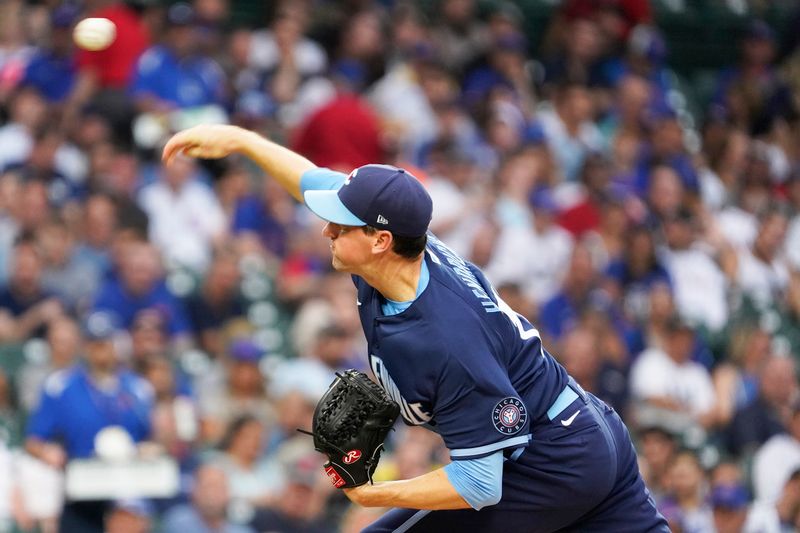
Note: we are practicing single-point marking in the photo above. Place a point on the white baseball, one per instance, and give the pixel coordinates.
(94, 34)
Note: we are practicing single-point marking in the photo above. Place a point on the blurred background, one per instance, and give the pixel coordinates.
(626, 172)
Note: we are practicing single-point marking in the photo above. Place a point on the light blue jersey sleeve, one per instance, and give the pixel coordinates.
(478, 481)
(321, 179)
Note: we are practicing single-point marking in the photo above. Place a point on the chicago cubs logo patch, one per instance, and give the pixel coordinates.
(509, 416)
(352, 456)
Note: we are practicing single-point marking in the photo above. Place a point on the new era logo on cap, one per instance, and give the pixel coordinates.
(382, 195)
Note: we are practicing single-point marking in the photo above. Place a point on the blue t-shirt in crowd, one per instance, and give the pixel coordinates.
(51, 74)
(186, 82)
(112, 298)
(73, 409)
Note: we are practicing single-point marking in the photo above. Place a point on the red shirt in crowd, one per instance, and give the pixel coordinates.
(115, 64)
(343, 134)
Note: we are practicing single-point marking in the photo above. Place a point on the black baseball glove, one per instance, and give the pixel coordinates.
(350, 424)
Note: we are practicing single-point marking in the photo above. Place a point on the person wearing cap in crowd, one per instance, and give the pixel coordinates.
(208, 510)
(729, 504)
(300, 505)
(457, 357)
(173, 75)
(78, 403)
(241, 392)
(53, 70)
(753, 94)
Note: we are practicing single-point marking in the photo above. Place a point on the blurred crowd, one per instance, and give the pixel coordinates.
(655, 244)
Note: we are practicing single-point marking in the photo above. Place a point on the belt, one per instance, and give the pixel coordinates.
(572, 391)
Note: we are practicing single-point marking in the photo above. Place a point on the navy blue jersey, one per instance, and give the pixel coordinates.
(460, 360)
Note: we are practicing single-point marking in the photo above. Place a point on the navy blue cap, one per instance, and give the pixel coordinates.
(64, 15)
(542, 199)
(245, 351)
(381, 196)
(729, 496)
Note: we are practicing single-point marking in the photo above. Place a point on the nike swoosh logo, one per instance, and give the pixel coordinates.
(568, 421)
(358, 303)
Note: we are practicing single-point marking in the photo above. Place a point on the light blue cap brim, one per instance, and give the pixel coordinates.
(328, 206)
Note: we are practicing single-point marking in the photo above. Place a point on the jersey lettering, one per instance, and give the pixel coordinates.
(459, 266)
(515, 319)
(412, 413)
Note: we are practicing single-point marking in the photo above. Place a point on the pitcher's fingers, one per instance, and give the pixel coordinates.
(175, 145)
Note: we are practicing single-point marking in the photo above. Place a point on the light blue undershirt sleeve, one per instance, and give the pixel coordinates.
(478, 481)
(390, 307)
(321, 179)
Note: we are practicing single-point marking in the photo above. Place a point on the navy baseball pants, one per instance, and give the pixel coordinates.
(580, 478)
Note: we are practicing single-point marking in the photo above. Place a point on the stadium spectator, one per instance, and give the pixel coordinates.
(23, 300)
(762, 272)
(776, 460)
(103, 76)
(658, 447)
(299, 507)
(240, 391)
(580, 290)
(767, 415)
(667, 383)
(730, 509)
(752, 93)
(632, 276)
(568, 128)
(217, 301)
(687, 489)
(698, 282)
(67, 272)
(459, 35)
(138, 285)
(252, 479)
(344, 133)
(186, 219)
(208, 510)
(80, 402)
(779, 516)
(534, 257)
(52, 70)
(283, 57)
(174, 75)
(64, 347)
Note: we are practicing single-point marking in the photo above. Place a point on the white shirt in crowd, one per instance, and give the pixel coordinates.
(737, 226)
(773, 463)
(183, 223)
(537, 262)
(401, 102)
(569, 152)
(762, 517)
(699, 287)
(450, 209)
(656, 375)
(759, 280)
